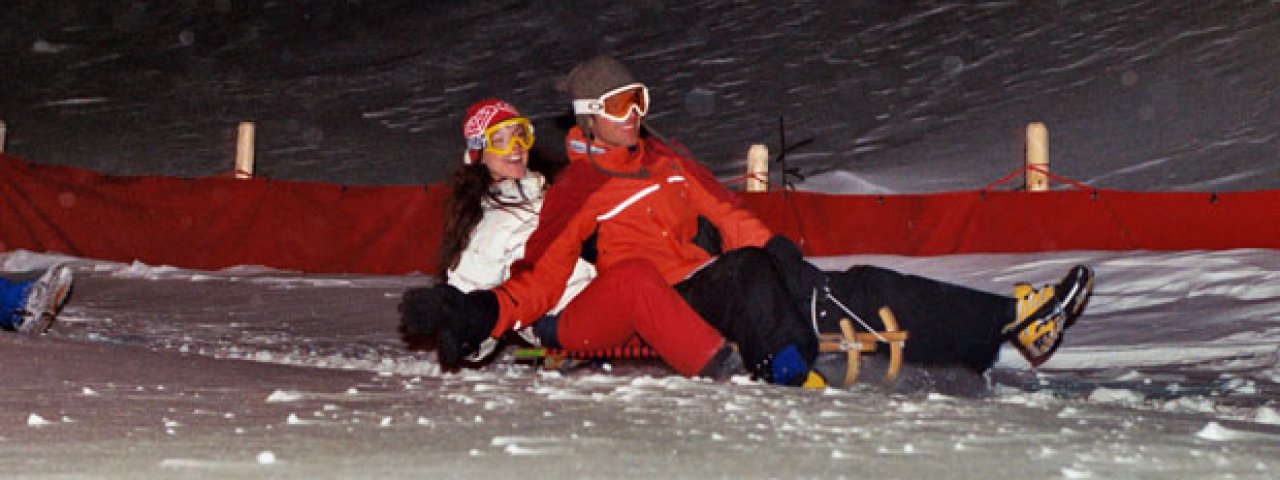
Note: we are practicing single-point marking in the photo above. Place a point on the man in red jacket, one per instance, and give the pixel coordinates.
(625, 199)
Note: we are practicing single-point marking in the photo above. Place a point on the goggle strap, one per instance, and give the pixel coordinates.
(587, 107)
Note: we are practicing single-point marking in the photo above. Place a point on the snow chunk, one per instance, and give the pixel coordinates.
(1116, 395)
(1190, 404)
(280, 396)
(266, 457)
(521, 445)
(147, 272)
(742, 380)
(517, 450)
(910, 407)
(503, 441)
(187, 463)
(34, 420)
(1131, 376)
(1076, 472)
(1266, 414)
(1216, 432)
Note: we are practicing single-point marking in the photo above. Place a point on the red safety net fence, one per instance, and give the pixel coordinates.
(211, 223)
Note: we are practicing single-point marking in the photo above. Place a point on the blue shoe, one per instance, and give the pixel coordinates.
(44, 299)
(787, 367)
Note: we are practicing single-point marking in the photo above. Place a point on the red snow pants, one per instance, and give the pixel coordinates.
(632, 300)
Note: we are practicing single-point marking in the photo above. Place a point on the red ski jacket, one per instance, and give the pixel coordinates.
(642, 201)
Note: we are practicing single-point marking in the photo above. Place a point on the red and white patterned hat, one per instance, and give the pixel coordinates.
(480, 116)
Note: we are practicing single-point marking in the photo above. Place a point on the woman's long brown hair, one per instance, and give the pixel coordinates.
(469, 185)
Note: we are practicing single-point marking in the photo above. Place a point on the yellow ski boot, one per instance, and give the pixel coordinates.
(1043, 313)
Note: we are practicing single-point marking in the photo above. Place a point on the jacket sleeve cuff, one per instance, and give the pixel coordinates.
(507, 313)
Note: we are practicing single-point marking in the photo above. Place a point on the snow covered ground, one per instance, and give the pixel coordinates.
(162, 372)
(253, 372)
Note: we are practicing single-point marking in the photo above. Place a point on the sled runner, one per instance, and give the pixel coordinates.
(848, 341)
(856, 343)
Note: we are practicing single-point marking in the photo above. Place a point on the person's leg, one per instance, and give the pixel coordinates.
(744, 295)
(630, 299)
(947, 324)
(13, 296)
(37, 302)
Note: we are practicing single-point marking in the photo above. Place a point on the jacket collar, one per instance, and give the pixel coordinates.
(519, 190)
(627, 162)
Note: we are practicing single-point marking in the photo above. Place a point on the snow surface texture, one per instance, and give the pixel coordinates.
(154, 370)
(1139, 94)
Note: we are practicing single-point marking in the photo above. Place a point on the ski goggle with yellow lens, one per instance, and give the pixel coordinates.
(502, 137)
(616, 104)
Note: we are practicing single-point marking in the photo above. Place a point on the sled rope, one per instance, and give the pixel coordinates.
(813, 313)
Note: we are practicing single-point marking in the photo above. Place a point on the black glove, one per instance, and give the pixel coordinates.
(424, 310)
(460, 321)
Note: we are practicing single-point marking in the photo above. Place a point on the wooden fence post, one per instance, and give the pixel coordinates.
(244, 151)
(758, 168)
(1037, 156)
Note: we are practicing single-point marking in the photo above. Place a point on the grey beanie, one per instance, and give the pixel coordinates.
(590, 79)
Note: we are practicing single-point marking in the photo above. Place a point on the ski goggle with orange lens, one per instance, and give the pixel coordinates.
(616, 104)
(502, 137)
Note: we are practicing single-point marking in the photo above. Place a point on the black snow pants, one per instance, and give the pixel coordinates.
(946, 323)
(743, 294)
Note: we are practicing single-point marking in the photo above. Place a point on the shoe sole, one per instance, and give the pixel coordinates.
(1073, 307)
(59, 277)
(1067, 315)
(1078, 299)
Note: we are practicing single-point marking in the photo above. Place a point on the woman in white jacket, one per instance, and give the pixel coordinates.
(493, 208)
(489, 216)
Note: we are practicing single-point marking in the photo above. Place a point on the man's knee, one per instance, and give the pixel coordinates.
(633, 273)
(749, 259)
(633, 267)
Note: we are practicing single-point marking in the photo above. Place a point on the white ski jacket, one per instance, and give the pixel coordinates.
(499, 239)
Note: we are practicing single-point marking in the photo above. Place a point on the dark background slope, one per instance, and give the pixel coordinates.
(891, 96)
